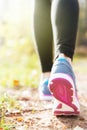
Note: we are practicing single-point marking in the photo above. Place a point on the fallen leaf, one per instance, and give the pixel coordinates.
(16, 83)
(19, 119)
(1, 129)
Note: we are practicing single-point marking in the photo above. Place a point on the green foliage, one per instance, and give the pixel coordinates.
(19, 62)
(6, 103)
(82, 32)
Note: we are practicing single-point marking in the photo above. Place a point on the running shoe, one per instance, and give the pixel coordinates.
(62, 85)
(44, 92)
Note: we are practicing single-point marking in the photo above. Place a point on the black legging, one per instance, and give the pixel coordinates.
(55, 21)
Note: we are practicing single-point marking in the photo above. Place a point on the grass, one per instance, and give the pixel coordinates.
(7, 104)
(19, 62)
(20, 65)
(23, 73)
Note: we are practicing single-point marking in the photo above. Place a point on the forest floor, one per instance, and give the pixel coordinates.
(33, 114)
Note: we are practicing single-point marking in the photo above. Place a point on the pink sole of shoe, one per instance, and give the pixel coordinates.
(63, 91)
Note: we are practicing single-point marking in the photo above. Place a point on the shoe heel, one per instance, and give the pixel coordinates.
(63, 90)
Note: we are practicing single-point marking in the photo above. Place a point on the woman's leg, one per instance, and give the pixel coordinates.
(43, 33)
(64, 18)
(43, 38)
(62, 82)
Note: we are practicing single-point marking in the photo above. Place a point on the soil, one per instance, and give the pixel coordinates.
(37, 115)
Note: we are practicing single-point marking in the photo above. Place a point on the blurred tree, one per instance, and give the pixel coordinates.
(82, 31)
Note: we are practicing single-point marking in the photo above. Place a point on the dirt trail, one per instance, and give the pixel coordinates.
(37, 115)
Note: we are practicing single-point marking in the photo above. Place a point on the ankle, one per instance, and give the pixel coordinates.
(45, 75)
(68, 58)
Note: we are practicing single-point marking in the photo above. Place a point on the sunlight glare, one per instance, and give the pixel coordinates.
(19, 9)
